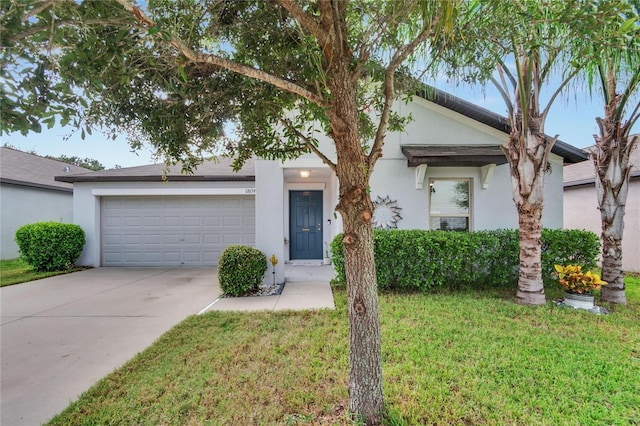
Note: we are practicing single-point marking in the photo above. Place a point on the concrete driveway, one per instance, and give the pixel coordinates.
(60, 335)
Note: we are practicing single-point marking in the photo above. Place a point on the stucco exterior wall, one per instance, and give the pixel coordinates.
(21, 205)
(581, 212)
(492, 208)
(269, 214)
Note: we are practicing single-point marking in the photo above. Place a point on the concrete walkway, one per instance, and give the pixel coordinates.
(306, 287)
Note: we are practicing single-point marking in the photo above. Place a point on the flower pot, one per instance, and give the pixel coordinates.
(579, 301)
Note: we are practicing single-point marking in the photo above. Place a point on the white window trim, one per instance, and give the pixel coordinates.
(469, 215)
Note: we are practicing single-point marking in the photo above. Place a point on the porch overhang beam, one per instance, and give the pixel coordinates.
(453, 155)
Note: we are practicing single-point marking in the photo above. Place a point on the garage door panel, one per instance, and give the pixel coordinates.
(133, 221)
(160, 231)
(151, 221)
(170, 258)
(152, 239)
(172, 221)
(195, 221)
(211, 238)
(212, 220)
(192, 239)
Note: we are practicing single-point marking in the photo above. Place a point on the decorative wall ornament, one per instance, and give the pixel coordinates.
(386, 213)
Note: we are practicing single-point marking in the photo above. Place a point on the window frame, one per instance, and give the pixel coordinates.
(468, 215)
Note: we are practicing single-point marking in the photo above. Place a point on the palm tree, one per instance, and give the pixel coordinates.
(615, 62)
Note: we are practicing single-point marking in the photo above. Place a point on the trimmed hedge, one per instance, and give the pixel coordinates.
(241, 269)
(422, 260)
(50, 246)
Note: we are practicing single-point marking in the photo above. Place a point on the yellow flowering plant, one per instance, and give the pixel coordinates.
(573, 280)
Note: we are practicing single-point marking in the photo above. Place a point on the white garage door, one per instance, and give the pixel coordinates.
(164, 231)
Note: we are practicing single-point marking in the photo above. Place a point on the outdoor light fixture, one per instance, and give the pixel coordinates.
(304, 173)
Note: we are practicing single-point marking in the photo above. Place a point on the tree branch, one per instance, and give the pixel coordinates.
(36, 10)
(210, 59)
(502, 90)
(37, 28)
(309, 143)
(247, 71)
(505, 71)
(307, 22)
(389, 87)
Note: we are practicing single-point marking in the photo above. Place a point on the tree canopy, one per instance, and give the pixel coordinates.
(175, 74)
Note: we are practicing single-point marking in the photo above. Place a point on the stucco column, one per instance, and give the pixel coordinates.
(86, 213)
(270, 214)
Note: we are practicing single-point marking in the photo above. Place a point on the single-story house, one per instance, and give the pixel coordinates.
(581, 206)
(445, 171)
(29, 193)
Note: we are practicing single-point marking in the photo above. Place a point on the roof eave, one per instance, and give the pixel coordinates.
(154, 178)
(570, 153)
(35, 185)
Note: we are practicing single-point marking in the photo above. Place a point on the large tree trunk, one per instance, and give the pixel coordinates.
(353, 171)
(527, 153)
(365, 358)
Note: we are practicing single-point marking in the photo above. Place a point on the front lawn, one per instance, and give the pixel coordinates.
(449, 358)
(17, 271)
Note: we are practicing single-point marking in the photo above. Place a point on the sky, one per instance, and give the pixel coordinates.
(572, 118)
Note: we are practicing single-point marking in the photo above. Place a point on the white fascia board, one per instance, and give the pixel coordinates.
(304, 163)
(108, 192)
(304, 186)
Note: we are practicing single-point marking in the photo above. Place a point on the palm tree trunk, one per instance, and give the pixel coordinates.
(614, 291)
(612, 184)
(530, 285)
(528, 152)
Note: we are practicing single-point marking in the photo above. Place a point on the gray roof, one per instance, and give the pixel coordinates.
(585, 174)
(570, 153)
(217, 170)
(24, 169)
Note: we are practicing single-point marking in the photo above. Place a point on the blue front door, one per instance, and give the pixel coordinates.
(305, 224)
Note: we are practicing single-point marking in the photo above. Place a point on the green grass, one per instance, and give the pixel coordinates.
(17, 271)
(449, 358)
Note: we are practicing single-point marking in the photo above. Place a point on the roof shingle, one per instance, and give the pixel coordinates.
(218, 170)
(21, 168)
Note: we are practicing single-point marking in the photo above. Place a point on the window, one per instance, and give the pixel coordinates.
(450, 204)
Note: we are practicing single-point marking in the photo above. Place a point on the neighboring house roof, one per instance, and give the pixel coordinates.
(570, 153)
(24, 169)
(219, 170)
(585, 173)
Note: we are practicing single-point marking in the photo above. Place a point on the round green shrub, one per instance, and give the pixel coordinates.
(50, 246)
(241, 269)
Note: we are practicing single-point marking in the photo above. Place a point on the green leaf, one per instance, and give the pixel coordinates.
(183, 74)
(628, 25)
